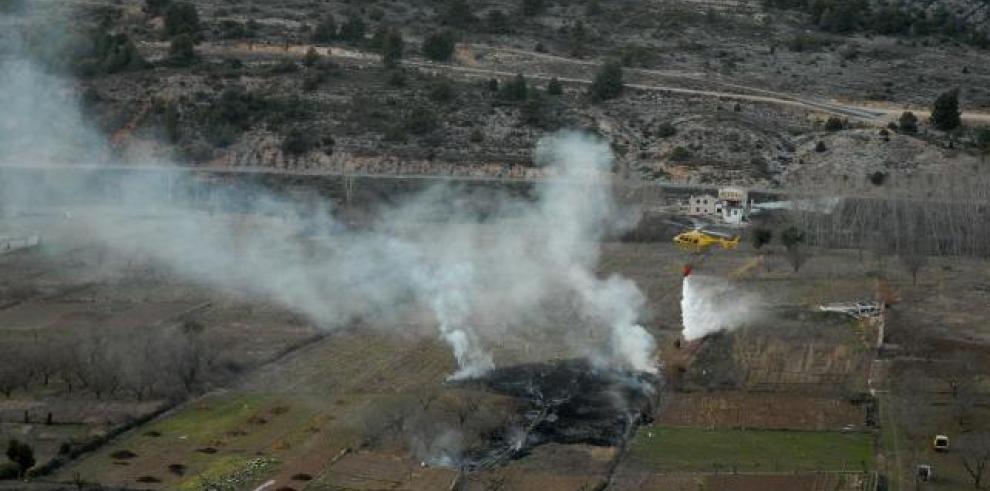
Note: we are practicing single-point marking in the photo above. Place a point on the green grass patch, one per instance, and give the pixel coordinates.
(215, 471)
(228, 473)
(695, 449)
(211, 417)
(178, 436)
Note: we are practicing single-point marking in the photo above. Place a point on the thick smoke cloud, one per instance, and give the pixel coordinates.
(710, 304)
(521, 275)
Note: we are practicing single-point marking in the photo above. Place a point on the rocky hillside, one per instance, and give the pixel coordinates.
(713, 91)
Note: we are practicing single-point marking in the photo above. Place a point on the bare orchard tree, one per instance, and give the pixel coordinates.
(956, 372)
(793, 239)
(42, 355)
(14, 370)
(913, 260)
(973, 450)
(90, 359)
(911, 244)
(189, 355)
(144, 362)
(68, 365)
(140, 362)
(467, 405)
(102, 369)
(426, 396)
(941, 213)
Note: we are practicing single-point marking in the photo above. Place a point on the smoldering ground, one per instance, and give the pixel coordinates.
(520, 272)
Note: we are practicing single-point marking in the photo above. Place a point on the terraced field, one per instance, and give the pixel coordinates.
(694, 449)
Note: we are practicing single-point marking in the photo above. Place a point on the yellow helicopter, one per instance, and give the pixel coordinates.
(699, 239)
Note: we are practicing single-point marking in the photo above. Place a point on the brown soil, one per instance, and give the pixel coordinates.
(760, 410)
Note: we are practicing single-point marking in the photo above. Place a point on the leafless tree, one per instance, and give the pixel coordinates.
(974, 454)
(912, 245)
(101, 368)
(144, 362)
(938, 213)
(104, 361)
(67, 362)
(425, 397)
(956, 372)
(14, 372)
(496, 482)
(189, 355)
(42, 356)
(914, 261)
(141, 362)
(793, 239)
(83, 348)
(467, 405)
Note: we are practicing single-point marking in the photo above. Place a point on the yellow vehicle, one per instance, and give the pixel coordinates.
(699, 240)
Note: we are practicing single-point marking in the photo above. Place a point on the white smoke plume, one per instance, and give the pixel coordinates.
(710, 304)
(486, 280)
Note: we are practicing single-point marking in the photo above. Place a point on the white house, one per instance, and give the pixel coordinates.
(734, 204)
(730, 205)
(703, 205)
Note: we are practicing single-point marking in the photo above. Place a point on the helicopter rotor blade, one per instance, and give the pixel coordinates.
(688, 223)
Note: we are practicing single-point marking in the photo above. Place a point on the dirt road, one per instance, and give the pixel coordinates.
(865, 113)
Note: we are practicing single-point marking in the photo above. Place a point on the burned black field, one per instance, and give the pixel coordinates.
(567, 402)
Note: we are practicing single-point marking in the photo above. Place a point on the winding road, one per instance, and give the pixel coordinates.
(732, 91)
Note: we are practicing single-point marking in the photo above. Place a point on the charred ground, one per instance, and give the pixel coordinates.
(571, 402)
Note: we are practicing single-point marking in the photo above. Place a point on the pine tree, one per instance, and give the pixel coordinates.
(353, 30)
(608, 82)
(793, 239)
(515, 90)
(182, 50)
(908, 123)
(392, 47)
(761, 237)
(326, 30)
(311, 57)
(21, 454)
(497, 22)
(945, 111)
(181, 18)
(439, 46)
(593, 8)
(459, 14)
(155, 8)
(533, 7)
